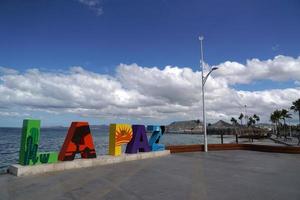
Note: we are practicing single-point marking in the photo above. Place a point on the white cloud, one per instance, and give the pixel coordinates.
(94, 5)
(281, 68)
(5, 70)
(137, 92)
(13, 114)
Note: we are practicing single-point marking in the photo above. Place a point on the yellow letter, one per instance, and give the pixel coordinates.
(118, 134)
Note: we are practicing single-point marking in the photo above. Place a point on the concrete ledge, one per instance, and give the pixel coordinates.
(20, 170)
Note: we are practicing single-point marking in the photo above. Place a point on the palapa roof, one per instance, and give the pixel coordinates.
(221, 124)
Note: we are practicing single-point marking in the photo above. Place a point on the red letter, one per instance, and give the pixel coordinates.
(78, 140)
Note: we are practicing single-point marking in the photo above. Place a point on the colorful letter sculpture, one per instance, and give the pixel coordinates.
(79, 140)
(29, 154)
(139, 141)
(157, 133)
(118, 134)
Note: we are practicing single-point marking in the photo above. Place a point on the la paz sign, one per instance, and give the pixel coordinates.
(79, 140)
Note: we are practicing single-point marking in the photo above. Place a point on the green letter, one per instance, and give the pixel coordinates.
(29, 154)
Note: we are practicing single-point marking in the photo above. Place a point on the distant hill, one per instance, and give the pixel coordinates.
(104, 128)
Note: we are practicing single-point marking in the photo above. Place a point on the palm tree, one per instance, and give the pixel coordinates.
(256, 117)
(241, 118)
(285, 114)
(233, 120)
(274, 121)
(253, 119)
(250, 121)
(296, 107)
(275, 118)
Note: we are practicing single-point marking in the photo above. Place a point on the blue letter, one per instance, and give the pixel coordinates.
(157, 133)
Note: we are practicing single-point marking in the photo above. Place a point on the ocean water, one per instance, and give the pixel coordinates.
(51, 139)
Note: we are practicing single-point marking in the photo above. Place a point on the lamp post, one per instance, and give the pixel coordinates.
(204, 78)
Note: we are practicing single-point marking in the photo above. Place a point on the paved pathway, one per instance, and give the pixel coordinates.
(262, 142)
(289, 141)
(213, 175)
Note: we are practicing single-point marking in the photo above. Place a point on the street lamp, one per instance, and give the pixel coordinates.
(204, 78)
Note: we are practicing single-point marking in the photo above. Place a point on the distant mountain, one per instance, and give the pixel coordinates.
(54, 127)
(100, 127)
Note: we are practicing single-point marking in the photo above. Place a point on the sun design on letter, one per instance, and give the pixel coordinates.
(123, 134)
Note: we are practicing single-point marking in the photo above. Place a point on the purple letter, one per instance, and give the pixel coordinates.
(139, 141)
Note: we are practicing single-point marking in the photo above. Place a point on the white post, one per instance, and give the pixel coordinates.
(203, 97)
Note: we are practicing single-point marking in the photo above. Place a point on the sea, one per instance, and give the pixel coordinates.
(51, 139)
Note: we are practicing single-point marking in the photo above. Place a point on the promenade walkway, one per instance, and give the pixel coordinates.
(265, 141)
(213, 175)
(289, 141)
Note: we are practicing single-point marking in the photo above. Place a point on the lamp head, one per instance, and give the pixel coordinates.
(214, 68)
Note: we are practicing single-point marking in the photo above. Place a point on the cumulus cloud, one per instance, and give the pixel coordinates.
(281, 68)
(13, 114)
(5, 70)
(136, 92)
(94, 5)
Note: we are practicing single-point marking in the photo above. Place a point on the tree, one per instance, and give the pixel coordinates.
(275, 118)
(233, 120)
(296, 107)
(284, 115)
(252, 120)
(241, 118)
(256, 117)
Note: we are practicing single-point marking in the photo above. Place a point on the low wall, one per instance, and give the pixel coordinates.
(219, 147)
(20, 170)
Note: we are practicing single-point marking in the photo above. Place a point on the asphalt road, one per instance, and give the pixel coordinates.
(214, 175)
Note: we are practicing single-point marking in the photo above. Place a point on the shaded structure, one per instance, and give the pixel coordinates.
(189, 127)
(222, 128)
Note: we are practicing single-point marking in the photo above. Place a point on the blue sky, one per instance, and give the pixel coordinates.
(58, 34)
(98, 35)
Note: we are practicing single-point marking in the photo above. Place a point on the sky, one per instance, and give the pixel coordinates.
(116, 61)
